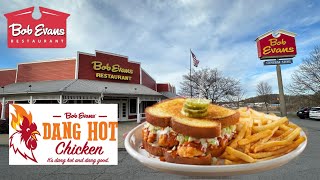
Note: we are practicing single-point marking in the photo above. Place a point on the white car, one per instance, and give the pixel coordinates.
(314, 113)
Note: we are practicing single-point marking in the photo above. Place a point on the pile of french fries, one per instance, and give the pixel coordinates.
(261, 137)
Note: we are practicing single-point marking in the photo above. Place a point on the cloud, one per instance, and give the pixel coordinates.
(159, 34)
(271, 78)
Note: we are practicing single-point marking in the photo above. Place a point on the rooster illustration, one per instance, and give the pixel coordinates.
(24, 140)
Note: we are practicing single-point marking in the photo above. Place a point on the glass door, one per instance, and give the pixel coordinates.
(123, 111)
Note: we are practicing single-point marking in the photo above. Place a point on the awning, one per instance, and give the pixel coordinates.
(77, 86)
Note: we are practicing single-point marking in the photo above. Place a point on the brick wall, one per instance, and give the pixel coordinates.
(148, 81)
(7, 77)
(163, 87)
(43, 71)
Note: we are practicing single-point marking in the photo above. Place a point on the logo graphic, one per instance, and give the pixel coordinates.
(63, 134)
(24, 139)
(273, 45)
(47, 32)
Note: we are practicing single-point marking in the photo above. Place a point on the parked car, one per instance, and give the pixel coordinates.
(314, 113)
(303, 113)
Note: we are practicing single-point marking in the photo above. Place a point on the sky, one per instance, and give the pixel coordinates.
(160, 34)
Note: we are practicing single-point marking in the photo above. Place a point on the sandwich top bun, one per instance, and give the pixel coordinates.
(168, 113)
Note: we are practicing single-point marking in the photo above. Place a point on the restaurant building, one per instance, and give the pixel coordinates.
(100, 78)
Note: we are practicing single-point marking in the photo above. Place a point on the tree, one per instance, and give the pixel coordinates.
(209, 83)
(264, 91)
(238, 97)
(306, 80)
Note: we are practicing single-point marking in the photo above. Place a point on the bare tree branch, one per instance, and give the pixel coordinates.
(210, 84)
(306, 80)
(264, 91)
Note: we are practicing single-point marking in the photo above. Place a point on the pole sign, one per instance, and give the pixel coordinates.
(275, 62)
(281, 45)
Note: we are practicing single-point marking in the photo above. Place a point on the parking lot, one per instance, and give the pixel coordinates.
(306, 166)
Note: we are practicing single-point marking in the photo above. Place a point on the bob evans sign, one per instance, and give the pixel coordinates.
(47, 32)
(115, 68)
(283, 45)
(63, 134)
(108, 67)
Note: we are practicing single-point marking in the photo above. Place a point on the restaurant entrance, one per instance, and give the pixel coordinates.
(122, 107)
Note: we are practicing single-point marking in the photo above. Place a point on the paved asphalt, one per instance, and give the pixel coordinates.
(306, 166)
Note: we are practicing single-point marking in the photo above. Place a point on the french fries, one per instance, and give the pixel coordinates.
(279, 151)
(240, 135)
(278, 132)
(240, 154)
(271, 125)
(229, 162)
(284, 127)
(264, 139)
(231, 157)
(248, 133)
(261, 137)
(255, 137)
(292, 125)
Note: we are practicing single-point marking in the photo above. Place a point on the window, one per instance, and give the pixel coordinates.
(124, 109)
(21, 102)
(315, 109)
(133, 106)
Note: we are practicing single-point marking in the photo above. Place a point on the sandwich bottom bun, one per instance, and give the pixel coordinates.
(154, 150)
(171, 156)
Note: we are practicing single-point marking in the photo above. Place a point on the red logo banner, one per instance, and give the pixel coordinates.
(49, 31)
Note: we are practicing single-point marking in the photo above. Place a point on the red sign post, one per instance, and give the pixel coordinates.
(50, 31)
(277, 46)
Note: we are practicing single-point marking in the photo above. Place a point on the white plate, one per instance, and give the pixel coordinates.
(133, 143)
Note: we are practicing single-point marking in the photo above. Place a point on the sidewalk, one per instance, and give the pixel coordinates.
(123, 129)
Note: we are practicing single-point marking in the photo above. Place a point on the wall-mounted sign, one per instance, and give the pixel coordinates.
(115, 68)
(63, 134)
(50, 31)
(275, 62)
(281, 45)
(108, 67)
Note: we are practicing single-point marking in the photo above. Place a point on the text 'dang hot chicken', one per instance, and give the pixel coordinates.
(188, 131)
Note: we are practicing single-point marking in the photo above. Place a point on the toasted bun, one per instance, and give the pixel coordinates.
(230, 120)
(154, 150)
(196, 128)
(170, 156)
(168, 113)
(157, 120)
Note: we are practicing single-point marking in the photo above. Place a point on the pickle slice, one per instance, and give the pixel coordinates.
(195, 108)
(195, 111)
(194, 115)
(187, 106)
(197, 103)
